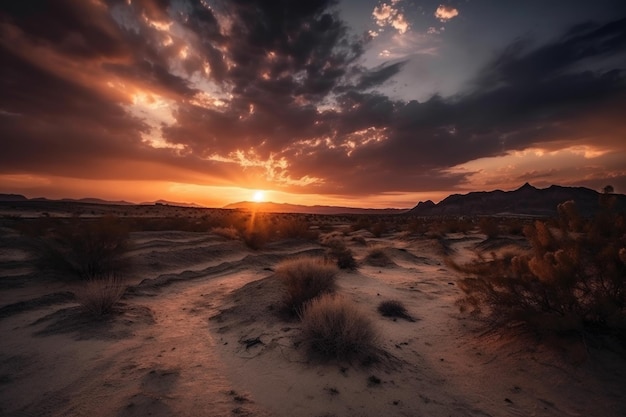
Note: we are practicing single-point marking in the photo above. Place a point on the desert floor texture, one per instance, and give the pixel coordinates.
(197, 334)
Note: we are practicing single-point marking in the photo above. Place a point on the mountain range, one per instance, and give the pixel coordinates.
(21, 198)
(526, 200)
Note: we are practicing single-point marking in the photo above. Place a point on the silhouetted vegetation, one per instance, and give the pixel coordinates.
(82, 249)
(573, 280)
(489, 226)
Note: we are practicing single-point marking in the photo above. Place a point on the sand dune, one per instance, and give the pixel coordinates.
(198, 334)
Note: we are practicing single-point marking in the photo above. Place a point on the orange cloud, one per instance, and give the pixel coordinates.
(445, 13)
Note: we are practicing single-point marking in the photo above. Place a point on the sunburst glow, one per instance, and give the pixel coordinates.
(258, 196)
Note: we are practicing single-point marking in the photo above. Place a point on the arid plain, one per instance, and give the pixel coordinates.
(198, 330)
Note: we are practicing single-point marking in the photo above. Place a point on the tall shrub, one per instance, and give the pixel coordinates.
(571, 280)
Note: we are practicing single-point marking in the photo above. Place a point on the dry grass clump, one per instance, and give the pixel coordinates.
(571, 281)
(377, 257)
(395, 309)
(304, 279)
(334, 328)
(98, 297)
(339, 253)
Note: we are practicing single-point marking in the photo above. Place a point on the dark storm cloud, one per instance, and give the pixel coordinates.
(285, 58)
(58, 117)
(76, 28)
(525, 97)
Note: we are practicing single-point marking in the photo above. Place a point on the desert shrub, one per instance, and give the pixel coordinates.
(489, 226)
(378, 229)
(339, 253)
(394, 308)
(254, 239)
(377, 257)
(334, 328)
(227, 232)
(345, 259)
(84, 248)
(331, 239)
(452, 225)
(98, 297)
(417, 226)
(569, 282)
(514, 227)
(362, 222)
(305, 279)
(569, 218)
(296, 228)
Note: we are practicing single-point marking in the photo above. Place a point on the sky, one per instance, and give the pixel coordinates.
(354, 103)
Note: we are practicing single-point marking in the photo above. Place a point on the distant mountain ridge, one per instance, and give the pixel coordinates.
(269, 207)
(171, 203)
(526, 200)
(89, 200)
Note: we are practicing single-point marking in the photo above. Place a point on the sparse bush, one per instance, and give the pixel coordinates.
(295, 228)
(569, 218)
(489, 226)
(98, 297)
(453, 225)
(377, 257)
(362, 222)
(514, 227)
(227, 232)
(570, 282)
(378, 229)
(255, 240)
(338, 251)
(418, 226)
(334, 328)
(305, 279)
(345, 259)
(332, 240)
(83, 248)
(394, 308)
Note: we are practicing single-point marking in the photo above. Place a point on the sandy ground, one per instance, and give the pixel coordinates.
(198, 334)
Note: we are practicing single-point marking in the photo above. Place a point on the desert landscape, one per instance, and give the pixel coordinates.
(313, 208)
(200, 325)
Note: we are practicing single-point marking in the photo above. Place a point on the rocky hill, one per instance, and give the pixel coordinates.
(526, 200)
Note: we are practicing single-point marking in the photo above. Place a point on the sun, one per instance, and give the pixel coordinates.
(258, 196)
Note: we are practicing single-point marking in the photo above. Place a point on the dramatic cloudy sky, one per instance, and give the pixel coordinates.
(356, 102)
